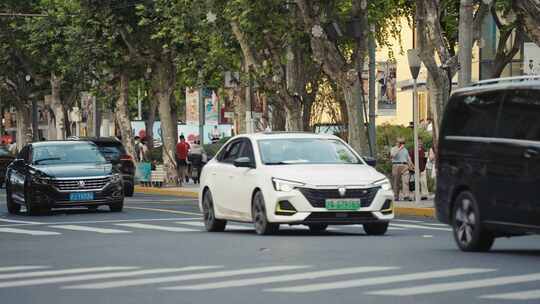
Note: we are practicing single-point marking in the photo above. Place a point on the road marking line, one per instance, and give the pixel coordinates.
(163, 210)
(94, 276)
(46, 273)
(520, 295)
(89, 229)
(18, 222)
(108, 221)
(420, 227)
(281, 278)
(17, 268)
(421, 222)
(228, 226)
(464, 285)
(197, 276)
(381, 280)
(30, 232)
(156, 227)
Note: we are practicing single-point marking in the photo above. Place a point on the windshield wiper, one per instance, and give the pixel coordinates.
(46, 159)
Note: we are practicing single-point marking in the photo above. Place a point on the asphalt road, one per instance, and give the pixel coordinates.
(156, 252)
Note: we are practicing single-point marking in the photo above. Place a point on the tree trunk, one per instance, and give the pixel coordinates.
(24, 125)
(293, 114)
(164, 87)
(465, 42)
(239, 103)
(149, 123)
(306, 113)
(356, 132)
(122, 115)
(56, 106)
(529, 12)
(278, 117)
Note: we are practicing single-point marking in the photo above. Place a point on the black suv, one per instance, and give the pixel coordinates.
(53, 174)
(488, 180)
(114, 151)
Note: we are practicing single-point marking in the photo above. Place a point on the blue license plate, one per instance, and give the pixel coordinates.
(81, 196)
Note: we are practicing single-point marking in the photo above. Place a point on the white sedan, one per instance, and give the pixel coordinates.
(293, 178)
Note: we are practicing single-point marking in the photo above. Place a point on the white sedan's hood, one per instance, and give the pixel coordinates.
(326, 175)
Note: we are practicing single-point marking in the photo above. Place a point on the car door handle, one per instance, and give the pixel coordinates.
(531, 152)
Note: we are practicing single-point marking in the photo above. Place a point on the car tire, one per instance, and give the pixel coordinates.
(211, 223)
(317, 227)
(12, 207)
(260, 220)
(129, 190)
(117, 207)
(376, 228)
(467, 227)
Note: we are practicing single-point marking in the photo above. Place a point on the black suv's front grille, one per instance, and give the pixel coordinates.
(317, 197)
(81, 184)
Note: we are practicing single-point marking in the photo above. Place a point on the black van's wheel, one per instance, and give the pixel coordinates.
(260, 220)
(211, 223)
(12, 207)
(376, 228)
(468, 232)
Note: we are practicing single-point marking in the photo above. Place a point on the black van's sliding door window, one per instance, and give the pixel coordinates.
(474, 115)
(520, 117)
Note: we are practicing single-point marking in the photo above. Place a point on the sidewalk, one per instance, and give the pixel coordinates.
(423, 209)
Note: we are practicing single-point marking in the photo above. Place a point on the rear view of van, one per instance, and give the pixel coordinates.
(488, 178)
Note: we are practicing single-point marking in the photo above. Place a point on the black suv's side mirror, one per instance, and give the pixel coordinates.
(243, 162)
(371, 161)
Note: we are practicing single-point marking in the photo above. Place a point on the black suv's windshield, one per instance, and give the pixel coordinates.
(305, 151)
(66, 154)
(111, 151)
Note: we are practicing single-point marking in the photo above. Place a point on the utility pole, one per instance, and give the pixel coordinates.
(414, 65)
(372, 130)
(465, 42)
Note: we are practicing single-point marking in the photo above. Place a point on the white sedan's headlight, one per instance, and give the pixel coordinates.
(285, 185)
(384, 184)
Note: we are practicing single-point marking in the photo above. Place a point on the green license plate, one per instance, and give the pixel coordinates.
(342, 204)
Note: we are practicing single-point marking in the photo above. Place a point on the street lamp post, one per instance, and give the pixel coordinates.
(414, 65)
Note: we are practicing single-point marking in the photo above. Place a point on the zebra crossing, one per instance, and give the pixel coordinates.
(180, 225)
(297, 279)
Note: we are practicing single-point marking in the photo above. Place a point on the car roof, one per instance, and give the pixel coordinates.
(500, 84)
(100, 139)
(58, 142)
(282, 135)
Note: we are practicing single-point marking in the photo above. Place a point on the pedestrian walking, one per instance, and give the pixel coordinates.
(400, 168)
(197, 158)
(422, 162)
(182, 150)
(137, 147)
(144, 153)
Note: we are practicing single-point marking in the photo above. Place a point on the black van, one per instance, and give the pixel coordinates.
(488, 179)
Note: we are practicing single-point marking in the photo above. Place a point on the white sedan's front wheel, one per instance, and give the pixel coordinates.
(260, 220)
(211, 223)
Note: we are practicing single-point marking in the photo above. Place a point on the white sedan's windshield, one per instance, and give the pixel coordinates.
(305, 151)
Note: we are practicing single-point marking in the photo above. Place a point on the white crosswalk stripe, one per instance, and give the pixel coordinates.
(17, 221)
(27, 231)
(18, 268)
(156, 227)
(46, 273)
(462, 285)
(520, 295)
(94, 276)
(89, 229)
(381, 280)
(282, 278)
(414, 226)
(179, 278)
(229, 226)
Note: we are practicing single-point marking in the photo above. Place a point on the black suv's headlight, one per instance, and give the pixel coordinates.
(41, 180)
(116, 178)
